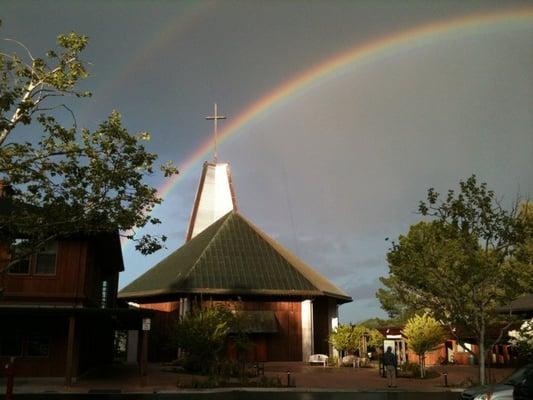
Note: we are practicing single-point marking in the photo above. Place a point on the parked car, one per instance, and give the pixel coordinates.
(500, 391)
(524, 389)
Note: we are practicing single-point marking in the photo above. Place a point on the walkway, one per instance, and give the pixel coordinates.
(124, 378)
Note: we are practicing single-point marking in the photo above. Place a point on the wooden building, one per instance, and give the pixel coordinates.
(59, 308)
(227, 259)
(448, 352)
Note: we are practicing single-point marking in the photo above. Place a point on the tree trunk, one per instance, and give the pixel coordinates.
(482, 355)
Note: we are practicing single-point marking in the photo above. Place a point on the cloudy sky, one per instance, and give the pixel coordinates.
(337, 162)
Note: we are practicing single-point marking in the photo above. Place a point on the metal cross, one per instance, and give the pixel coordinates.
(215, 119)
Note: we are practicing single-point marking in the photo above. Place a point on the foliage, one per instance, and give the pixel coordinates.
(65, 180)
(202, 335)
(463, 265)
(398, 311)
(413, 370)
(355, 338)
(522, 340)
(341, 338)
(423, 334)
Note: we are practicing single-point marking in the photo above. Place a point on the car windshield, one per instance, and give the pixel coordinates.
(517, 376)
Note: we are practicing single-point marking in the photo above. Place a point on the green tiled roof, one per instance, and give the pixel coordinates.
(231, 256)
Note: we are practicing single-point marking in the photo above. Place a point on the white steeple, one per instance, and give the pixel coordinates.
(215, 196)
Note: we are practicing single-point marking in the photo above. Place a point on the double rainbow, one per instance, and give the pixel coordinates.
(345, 61)
(348, 60)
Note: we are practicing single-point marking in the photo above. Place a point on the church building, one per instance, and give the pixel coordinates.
(290, 309)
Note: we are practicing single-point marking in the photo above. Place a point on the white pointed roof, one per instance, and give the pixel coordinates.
(214, 199)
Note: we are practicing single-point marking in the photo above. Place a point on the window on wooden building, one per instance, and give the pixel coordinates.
(103, 299)
(45, 263)
(20, 267)
(37, 346)
(10, 345)
(461, 349)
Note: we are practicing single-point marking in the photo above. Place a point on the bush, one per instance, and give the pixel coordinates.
(202, 335)
(412, 370)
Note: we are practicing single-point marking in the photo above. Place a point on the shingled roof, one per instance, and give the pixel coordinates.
(232, 256)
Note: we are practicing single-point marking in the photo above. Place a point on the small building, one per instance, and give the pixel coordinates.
(59, 307)
(228, 260)
(448, 352)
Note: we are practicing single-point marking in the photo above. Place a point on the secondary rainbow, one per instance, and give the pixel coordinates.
(345, 61)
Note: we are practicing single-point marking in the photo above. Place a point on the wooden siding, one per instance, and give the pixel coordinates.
(66, 285)
(100, 268)
(81, 265)
(80, 270)
(53, 328)
(162, 330)
(286, 344)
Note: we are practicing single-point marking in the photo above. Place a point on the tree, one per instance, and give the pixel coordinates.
(399, 311)
(461, 267)
(341, 338)
(355, 338)
(58, 180)
(423, 334)
(202, 334)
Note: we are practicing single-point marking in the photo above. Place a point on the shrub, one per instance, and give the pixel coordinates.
(202, 335)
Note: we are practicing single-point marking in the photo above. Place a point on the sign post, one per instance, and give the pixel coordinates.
(146, 324)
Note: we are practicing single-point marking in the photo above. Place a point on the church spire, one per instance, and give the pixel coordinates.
(215, 196)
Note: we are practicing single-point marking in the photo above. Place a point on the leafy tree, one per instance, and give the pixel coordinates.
(462, 266)
(341, 338)
(202, 334)
(56, 179)
(355, 338)
(399, 311)
(423, 334)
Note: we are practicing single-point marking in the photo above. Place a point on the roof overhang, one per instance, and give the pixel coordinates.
(148, 296)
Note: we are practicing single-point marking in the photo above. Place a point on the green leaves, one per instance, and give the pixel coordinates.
(202, 334)
(66, 180)
(423, 333)
(349, 337)
(462, 267)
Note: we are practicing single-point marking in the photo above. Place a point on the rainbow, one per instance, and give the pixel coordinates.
(336, 65)
(191, 13)
(347, 60)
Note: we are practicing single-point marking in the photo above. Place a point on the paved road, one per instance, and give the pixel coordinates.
(249, 396)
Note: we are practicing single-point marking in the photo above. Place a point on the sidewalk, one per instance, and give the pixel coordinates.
(125, 379)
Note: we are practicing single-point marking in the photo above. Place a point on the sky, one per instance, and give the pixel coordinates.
(340, 114)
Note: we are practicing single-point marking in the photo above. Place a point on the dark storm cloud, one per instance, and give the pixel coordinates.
(364, 291)
(335, 169)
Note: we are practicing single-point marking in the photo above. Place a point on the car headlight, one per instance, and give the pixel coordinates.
(483, 396)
